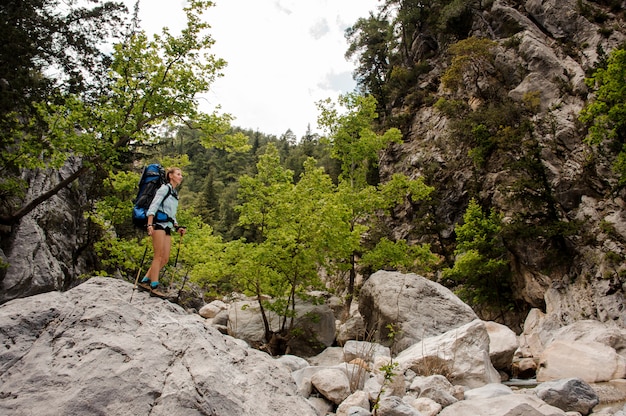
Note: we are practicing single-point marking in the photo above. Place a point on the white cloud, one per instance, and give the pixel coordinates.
(283, 56)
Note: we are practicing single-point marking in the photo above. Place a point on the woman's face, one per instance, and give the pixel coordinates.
(176, 177)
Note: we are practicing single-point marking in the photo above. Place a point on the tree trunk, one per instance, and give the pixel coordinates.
(351, 281)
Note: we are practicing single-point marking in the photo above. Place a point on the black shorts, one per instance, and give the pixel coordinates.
(168, 231)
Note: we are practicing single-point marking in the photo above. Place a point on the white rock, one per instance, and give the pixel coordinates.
(329, 357)
(589, 361)
(394, 406)
(502, 345)
(322, 406)
(437, 382)
(90, 350)
(419, 307)
(211, 310)
(332, 383)
(463, 353)
(357, 399)
(487, 391)
(292, 362)
(424, 405)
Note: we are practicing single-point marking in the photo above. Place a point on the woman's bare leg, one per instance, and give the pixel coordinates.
(161, 243)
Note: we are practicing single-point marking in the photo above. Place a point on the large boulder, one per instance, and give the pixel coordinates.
(353, 328)
(591, 361)
(332, 383)
(559, 18)
(424, 386)
(461, 354)
(537, 333)
(591, 350)
(502, 345)
(593, 331)
(93, 350)
(417, 308)
(571, 395)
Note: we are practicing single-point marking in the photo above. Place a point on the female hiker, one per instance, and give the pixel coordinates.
(165, 202)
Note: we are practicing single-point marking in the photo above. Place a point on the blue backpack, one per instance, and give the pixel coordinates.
(152, 177)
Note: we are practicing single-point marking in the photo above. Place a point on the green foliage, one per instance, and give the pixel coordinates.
(484, 144)
(370, 42)
(532, 101)
(606, 114)
(211, 180)
(400, 256)
(122, 255)
(356, 146)
(481, 268)
(151, 84)
(595, 14)
(614, 258)
(456, 18)
(452, 108)
(388, 370)
(393, 46)
(472, 59)
(293, 229)
(114, 209)
(353, 142)
(50, 48)
(499, 125)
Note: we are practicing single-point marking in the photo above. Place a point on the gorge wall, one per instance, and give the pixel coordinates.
(51, 247)
(547, 180)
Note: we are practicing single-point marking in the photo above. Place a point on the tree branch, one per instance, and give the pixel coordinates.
(16, 216)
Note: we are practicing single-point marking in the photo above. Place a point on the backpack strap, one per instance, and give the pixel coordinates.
(170, 191)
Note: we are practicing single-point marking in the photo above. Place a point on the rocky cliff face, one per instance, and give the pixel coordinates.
(50, 247)
(548, 181)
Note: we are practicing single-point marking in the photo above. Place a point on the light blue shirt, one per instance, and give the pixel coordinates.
(167, 205)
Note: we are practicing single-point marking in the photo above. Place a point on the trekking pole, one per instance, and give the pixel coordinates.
(180, 291)
(139, 273)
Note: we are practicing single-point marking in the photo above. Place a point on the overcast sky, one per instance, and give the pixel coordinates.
(283, 56)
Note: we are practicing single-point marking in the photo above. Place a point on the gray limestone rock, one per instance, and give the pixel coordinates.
(571, 395)
(91, 350)
(417, 306)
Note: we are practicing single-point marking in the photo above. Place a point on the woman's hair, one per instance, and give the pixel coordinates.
(170, 171)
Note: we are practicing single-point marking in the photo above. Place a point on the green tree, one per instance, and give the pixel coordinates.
(47, 51)
(293, 228)
(356, 146)
(391, 46)
(151, 84)
(473, 60)
(481, 268)
(370, 45)
(606, 113)
(50, 47)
